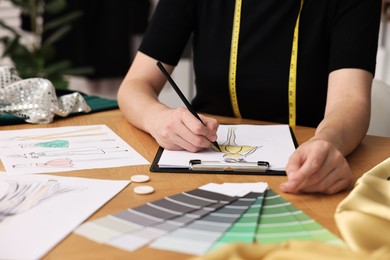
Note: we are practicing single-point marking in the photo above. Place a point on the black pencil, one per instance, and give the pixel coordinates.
(182, 97)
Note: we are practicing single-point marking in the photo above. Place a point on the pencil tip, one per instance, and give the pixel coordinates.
(217, 146)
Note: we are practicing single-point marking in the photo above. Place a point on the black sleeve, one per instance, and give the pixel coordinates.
(354, 39)
(169, 30)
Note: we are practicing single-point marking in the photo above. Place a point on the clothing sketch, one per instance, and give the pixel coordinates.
(20, 196)
(234, 152)
(76, 151)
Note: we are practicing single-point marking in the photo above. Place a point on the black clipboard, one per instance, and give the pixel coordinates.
(154, 167)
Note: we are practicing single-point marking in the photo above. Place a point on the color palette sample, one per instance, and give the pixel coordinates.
(244, 229)
(200, 235)
(201, 220)
(280, 221)
(166, 215)
(136, 227)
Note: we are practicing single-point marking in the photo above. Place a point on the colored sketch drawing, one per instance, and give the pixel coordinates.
(76, 151)
(234, 152)
(52, 144)
(62, 163)
(42, 150)
(49, 144)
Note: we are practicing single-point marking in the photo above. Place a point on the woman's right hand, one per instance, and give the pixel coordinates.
(178, 129)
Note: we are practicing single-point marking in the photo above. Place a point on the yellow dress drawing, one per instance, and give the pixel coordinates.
(232, 151)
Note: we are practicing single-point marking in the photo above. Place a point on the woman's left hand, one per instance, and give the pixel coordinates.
(317, 166)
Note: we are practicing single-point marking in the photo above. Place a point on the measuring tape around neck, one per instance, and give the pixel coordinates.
(233, 65)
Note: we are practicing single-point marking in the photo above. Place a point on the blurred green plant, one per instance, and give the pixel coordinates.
(35, 57)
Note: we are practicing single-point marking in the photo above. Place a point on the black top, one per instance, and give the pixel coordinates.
(333, 34)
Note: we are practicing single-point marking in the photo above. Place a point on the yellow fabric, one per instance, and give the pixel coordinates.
(363, 217)
(291, 250)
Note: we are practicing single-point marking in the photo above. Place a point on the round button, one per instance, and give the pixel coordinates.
(139, 178)
(143, 189)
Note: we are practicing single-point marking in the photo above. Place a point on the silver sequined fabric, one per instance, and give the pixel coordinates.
(35, 99)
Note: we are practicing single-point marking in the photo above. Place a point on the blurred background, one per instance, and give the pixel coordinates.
(91, 43)
(100, 44)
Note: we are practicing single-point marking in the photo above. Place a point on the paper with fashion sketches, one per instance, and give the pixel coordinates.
(38, 211)
(250, 143)
(44, 150)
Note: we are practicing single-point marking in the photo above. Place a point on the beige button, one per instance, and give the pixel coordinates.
(143, 189)
(139, 178)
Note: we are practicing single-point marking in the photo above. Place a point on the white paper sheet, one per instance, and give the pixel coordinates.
(44, 150)
(38, 211)
(252, 143)
(236, 189)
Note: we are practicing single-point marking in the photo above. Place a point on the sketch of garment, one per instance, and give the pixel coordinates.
(234, 152)
(19, 196)
(86, 147)
(61, 163)
(76, 151)
(49, 144)
(54, 144)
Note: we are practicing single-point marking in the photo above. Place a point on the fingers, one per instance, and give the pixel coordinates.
(331, 184)
(212, 126)
(181, 130)
(317, 167)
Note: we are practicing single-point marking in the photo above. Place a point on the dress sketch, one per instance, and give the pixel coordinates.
(48, 144)
(20, 196)
(75, 151)
(234, 152)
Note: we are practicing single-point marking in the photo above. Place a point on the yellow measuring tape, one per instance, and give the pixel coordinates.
(233, 58)
(233, 65)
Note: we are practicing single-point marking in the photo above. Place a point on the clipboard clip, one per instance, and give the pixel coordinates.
(229, 165)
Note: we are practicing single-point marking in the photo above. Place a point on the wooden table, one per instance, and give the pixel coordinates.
(372, 151)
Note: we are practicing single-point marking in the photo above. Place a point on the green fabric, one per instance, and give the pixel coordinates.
(100, 104)
(96, 104)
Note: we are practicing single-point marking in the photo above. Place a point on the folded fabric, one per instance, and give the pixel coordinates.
(37, 101)
(291, 250)
(363, 217)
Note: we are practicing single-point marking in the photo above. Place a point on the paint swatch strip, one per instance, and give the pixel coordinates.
(245, 228)
(178, 207)
(280, 221)
(143, 236)
(200, 235)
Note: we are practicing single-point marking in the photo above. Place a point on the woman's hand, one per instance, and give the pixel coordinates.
(178, 129)
(317, 166)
